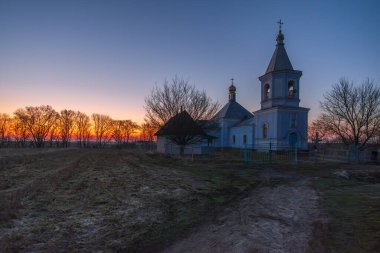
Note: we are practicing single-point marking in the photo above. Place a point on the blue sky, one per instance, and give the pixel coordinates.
(105, 56)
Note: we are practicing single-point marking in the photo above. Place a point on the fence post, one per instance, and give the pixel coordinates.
(357, 154)
(316, 155)
(295, 155)
(245, 155)
(270, 152)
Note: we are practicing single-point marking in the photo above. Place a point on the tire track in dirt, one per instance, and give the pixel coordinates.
(271, 219)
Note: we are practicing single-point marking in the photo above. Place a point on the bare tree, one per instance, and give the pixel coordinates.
(82, 128)
(122, 130)
(54, 133)
(352, 112)
(130, 128)
(5, 128)
(66, 126)
(173, 97)
(102, 129)
(147, 132)
(118, 131)
(316, 132)
(39, 121)
(143, 136)
(20, 131)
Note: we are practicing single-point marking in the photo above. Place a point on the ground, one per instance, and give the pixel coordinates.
(110, 200)
(274, 219)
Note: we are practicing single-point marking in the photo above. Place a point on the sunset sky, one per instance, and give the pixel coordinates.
(105, 56)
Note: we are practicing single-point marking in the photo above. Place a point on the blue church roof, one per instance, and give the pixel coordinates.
(247, 122)
(233, 110)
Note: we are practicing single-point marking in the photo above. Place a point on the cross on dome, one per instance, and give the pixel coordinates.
(232, 91)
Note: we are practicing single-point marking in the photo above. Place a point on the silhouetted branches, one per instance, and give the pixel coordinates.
(82, 129)
(20, 131)
(147, 132)
(351, 113)
(5, 126)
(102, 129)
(66, 126)
(122, 130)
(39, 121)
(42, 126)
(173, 97)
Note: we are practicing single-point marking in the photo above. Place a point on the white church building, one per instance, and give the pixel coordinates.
(280, 123)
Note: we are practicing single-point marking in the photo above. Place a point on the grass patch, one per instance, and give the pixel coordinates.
(352, 205)
(354, 214)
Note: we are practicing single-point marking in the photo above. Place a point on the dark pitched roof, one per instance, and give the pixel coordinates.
(181, 124)
(280, 59)
(233, 110)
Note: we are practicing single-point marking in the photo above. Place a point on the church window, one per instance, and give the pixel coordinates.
(293, 120)
(291, 89)
(265, 131)
(233, 139)
(266, 91)
(245, 139)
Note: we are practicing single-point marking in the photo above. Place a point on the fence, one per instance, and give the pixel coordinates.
(271, 154)
(340, 153)
(322, 153)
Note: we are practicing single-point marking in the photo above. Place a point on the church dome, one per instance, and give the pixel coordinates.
(232, 88)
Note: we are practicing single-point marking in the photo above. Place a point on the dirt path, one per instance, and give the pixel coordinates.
(271, 219)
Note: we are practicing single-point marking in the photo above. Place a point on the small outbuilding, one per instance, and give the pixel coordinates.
(182, 135)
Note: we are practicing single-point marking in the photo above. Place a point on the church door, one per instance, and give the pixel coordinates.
(293, 139)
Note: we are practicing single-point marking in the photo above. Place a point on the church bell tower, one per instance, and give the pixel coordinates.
(281, 123)
(280, 83)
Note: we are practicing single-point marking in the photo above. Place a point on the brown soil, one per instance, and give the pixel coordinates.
(270, 219)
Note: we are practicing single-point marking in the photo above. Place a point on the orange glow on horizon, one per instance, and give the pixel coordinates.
(137, 116)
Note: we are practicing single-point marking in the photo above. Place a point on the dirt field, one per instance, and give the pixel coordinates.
(111, 200)
(78, 200)
(270, 219)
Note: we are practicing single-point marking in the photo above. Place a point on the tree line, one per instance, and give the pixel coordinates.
(42, 126)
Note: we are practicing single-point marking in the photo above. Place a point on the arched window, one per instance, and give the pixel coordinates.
(291, 89)
(233, 139)
(293, 120)
(265, 130)
(245, 139)
(266, 91)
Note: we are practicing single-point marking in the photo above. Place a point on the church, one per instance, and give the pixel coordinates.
(280, 124)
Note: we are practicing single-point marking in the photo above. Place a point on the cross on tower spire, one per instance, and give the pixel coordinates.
(280, 23)
(280, 36)
(232, 81)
